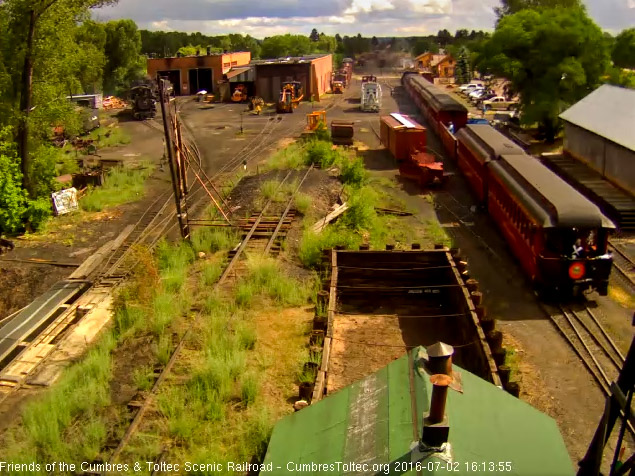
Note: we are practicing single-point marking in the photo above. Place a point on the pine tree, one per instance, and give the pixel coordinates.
(462, 72)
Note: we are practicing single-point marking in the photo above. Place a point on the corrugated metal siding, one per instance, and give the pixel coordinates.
(612, 161)
(585, 145)
(620, 166)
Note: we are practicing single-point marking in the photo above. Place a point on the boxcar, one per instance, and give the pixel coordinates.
(559, 237)
(402, 139)
(479, 144)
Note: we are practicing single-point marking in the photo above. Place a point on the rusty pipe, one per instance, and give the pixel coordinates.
(440, 385)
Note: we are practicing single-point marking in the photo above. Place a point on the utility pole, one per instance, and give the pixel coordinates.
(175, 148)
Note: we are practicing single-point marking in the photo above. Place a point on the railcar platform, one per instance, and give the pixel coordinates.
(38, 313)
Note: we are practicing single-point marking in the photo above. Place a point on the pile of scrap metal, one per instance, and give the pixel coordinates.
(290, 96)
(423, 168)
(342, 132)
(144, 101)
(256, 104)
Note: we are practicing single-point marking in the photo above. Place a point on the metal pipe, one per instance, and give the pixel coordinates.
(440, 385)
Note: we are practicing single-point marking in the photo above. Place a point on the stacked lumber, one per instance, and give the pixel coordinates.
(112, 102)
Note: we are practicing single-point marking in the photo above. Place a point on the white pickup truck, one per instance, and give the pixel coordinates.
(499, 102)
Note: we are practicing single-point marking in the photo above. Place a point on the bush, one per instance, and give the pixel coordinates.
(321, 153)
(353, 172)
(302, 202)
(13, 198)
(361, 213)
(122, 185)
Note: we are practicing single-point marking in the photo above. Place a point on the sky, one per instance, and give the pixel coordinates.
(347, 17)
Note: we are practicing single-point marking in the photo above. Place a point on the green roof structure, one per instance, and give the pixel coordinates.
(374, 427)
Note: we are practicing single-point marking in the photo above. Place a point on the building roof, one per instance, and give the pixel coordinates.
(609, 112)
(377, 419)
(438, 59)
(291, 59)
(552, 201)
(487, 141)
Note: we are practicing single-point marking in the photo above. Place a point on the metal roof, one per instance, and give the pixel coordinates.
(609, 112)
(377, 419)
(487, 141)
(438, 98)
(291, 59)
(552, 201)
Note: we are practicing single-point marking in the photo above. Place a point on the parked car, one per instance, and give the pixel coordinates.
(499, 102)
(479, 93)
(478, 101)
(468, 88)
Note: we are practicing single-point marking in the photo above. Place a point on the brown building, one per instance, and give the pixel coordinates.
(444, 67)
(313, 71)
(190, 74)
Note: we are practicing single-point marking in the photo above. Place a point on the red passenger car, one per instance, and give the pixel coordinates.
(559, 237)
(479, 144)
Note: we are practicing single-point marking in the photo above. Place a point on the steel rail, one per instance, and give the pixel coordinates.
(286, 211)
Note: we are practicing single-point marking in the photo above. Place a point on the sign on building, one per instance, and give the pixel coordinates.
(65, 201)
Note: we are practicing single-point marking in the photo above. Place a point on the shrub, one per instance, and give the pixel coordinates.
(361, 212)
(13, 198)
(212, 239)
(353, 171)
(321, 153)
(302, 202)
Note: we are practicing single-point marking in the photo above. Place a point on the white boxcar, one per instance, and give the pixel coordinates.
(371, 97)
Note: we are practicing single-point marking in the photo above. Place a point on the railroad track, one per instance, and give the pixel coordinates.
(624, 266)
(257, 223)
(589, 340)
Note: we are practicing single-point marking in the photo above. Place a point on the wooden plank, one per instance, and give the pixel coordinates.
(326, 354)
(42, 261)
(320, 225)
(332, 295)
(318, 391)
(91, 263)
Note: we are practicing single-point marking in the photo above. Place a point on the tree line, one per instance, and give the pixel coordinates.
(553, 54)
(51, 49)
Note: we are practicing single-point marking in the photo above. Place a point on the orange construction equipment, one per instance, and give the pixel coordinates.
(240, 93)
(290, 96)
(313, 120)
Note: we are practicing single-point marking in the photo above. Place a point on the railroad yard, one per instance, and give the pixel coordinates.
(563, 356)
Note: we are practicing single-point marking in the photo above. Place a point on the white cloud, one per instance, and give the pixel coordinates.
(368, 6)
(261, 18)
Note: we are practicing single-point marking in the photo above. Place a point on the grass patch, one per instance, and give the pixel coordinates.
(269, 189)
(291, 157)
(212, 239)
(437, 234)
(302, 202)
(623, 298)
(265, 278)
(109, 136)
(512, 360)
(122, 185)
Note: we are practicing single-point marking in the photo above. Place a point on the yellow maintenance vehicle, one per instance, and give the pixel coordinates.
(256, 104)
(314, 119)
(290, 96)
(240, 93)
(338, 87)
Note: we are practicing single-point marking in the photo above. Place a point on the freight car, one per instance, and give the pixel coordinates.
(558, 236)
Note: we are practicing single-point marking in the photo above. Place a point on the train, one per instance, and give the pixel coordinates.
(558, 236)
(144, 99)
(370, 94)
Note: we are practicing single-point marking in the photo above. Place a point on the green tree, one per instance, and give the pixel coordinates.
(90, 38)
(422, 45)
(13, 198)
(124, 62)
(326, 44)
(509, 7)
(314, 36)
(552, 57)
(623, 53)
(462, 71)
(286, 45)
